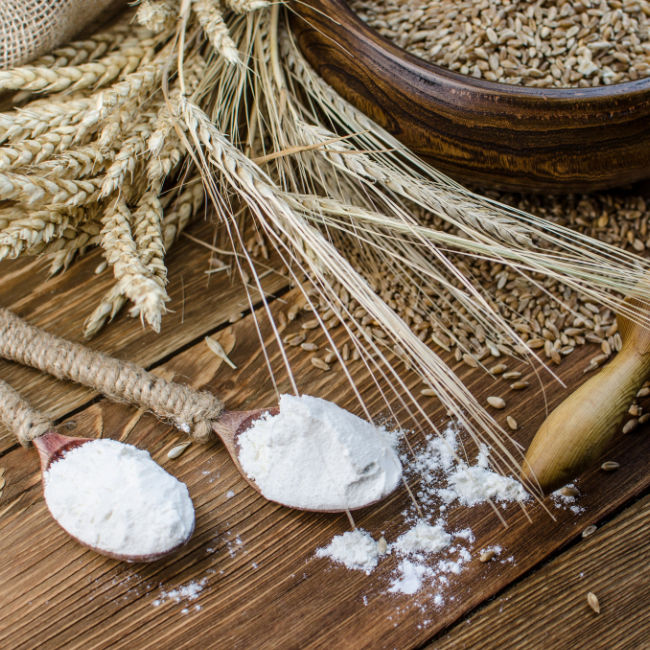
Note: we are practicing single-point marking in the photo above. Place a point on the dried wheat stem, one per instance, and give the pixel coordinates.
(156, 15)
(34, 190)
(127, 158)
(134, 280)
(94, 46)
(244, 6)
(30, 231)
(64, 250)
(211, 20)
(135, 85)
(79, 162)
(41, 118)
(147, 234)
(93, 74)
(109, 306)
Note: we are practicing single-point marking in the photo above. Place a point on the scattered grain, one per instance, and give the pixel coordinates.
(589, 530)
(519, 385)
(610, 466)
(496, 402)
(569, 491)
(630, 425)
(592, 601)
(512, 423)
(487, 555)
(319, 363)
(310, 324)
(218, 350)
(177, 450)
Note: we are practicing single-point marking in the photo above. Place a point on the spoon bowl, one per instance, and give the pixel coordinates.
(232, 424)
(51, 448)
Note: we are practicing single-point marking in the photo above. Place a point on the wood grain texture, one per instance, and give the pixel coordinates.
(493, 134)
(199, 303)
(549, 608)
(262, 585)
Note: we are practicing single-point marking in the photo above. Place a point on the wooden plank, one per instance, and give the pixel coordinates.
(199, 303)
(270, 590)
(549, 608)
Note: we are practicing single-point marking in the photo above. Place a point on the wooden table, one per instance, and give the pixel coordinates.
(261, 584)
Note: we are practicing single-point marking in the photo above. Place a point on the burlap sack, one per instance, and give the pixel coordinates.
(29, 28)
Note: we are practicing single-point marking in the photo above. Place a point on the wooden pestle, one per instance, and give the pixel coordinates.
(576, 433)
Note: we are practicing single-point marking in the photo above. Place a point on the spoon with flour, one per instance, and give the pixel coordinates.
(109, 496)
(307, 453)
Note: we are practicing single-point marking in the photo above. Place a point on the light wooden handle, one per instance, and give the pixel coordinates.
(578, 430)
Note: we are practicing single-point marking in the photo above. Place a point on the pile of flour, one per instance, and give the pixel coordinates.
(115, 498)
(315, 455)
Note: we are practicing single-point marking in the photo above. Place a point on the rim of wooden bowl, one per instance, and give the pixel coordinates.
(496, 134)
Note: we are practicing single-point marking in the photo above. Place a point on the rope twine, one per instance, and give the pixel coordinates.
(191, 411)
(18, 416)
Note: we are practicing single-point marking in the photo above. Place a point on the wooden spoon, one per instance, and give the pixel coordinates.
(51, 448)
(123, 381)
(577, 432)
(232, 424)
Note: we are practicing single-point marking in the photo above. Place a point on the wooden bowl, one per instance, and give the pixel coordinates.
(497, 135)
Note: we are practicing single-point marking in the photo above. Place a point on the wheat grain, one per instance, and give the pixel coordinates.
(94, 74)
(245, 6)
(215, 28)
(134, 280)
(156, 15)
(528, 42)
(95, 45)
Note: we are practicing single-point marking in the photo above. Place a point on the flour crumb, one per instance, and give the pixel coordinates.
(185, 593)
(355, 549)
(409, 578)
(422, 538)
(475, 484)
(230, 494)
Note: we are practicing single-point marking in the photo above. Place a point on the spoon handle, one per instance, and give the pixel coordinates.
(578, 430)
(19, 417)
(190, 410)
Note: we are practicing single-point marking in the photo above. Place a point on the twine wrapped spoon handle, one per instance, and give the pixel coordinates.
(577, 432)
(199, 412)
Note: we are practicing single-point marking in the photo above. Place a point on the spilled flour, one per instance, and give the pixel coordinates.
(428, 553)
(355, 549)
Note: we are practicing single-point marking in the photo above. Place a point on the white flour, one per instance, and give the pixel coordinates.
(468, 484)
(429, 554)
(355, 549)
(114, 497)
(314, 454)
(188, 592)
(422, 538)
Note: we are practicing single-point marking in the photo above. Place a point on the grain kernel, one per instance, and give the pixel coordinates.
(496, 402)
